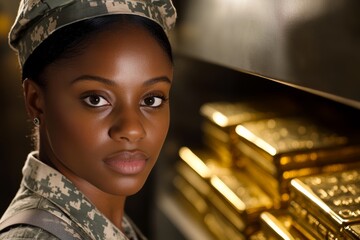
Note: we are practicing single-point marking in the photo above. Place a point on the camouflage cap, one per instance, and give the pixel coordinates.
(37, 19)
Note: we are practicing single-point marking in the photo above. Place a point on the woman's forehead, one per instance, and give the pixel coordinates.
(111, 54)
(121, 41)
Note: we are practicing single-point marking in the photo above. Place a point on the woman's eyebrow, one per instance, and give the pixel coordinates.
(94, 78)
(113, 83)
(156, 80)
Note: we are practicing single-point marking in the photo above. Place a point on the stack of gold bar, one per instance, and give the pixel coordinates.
(322, 206)
(240, 180)
(327, 206)
(221, 118)
(277, 150)
(227, 199)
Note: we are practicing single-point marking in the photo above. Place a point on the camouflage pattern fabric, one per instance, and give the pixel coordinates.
(37, 19)
(45, 188)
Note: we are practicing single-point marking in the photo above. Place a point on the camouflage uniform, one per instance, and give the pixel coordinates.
(37, 19)
(45, 188)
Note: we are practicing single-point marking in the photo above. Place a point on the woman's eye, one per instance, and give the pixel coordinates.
(96, 101)
(153, 101)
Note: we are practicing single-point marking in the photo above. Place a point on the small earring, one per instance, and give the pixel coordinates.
(36, 121)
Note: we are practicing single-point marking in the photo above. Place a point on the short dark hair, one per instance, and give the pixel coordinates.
(68, 42)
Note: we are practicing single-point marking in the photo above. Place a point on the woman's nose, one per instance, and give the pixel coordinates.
(128, 126)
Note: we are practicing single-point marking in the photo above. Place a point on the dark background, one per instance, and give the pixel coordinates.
(196, 82)
(14, 128)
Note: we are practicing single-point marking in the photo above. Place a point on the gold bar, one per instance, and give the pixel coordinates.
(266, 182)
(222, 137)
(192, 196)
(206, 201)
(278, 187)
(219, 224)
(307, 223)
(283, 144)
(332, 199)
(233, 193)
(240, 191)
(259, 235)
(226, 153)
(221, 228)
(202, 186)
(213, 131)
(227, 114)
(279, 225)
(221, 118)
(352, 231)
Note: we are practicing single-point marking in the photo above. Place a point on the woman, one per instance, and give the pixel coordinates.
(96, 80)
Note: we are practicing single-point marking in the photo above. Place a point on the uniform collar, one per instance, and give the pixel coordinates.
(52, 185)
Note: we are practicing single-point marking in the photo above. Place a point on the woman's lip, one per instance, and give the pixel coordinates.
(127, 162)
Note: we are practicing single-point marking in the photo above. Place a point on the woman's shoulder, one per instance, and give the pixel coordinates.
(27, 232)
(38, 224)
(35, 208)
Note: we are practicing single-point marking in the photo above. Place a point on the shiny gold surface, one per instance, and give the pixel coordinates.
(208, 195)
(290, 165)
(225, 114)
(285, 135)
(196, 163)
(331, 201)
(293, 143)
(278, 186)
(221, 141)
(197, 182)
(231, 201)
(213, 131)
(202, 186)
(259, 235)
(191, 195)
(221, 118)
(225, 153)
(352, 231)
(307, 222)
(232, 192)
(246, 197)
(278, 225)
(336, 194)
(221, 227)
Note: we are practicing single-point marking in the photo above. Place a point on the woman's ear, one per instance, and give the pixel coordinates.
(34, 99)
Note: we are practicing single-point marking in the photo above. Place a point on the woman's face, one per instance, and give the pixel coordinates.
(106, 111)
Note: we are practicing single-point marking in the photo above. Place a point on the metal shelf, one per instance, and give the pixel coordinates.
(310, 45)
